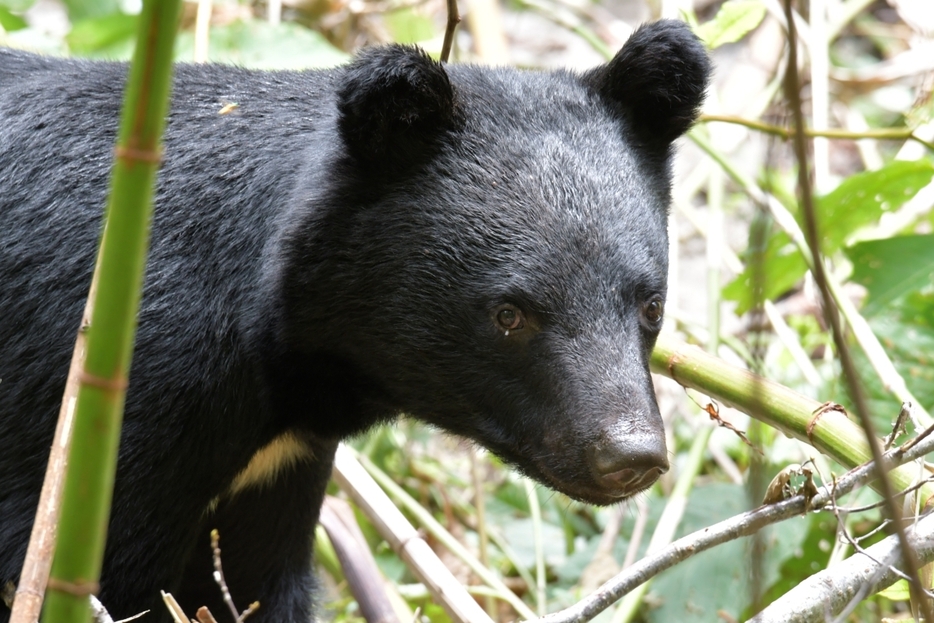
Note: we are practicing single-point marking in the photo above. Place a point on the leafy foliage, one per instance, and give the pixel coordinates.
(896, 272)
(734, 20)
(857, 202)
(891, 268)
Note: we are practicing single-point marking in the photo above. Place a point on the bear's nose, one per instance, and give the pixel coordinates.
(630, 463)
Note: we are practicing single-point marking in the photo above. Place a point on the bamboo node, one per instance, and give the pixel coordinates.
(138, 155)
(117, 384)
(78, 588)
(820, 411)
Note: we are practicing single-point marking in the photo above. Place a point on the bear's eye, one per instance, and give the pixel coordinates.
(510, 318)
(653, 310)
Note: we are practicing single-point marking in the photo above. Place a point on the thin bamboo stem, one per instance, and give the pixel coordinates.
(102, 382)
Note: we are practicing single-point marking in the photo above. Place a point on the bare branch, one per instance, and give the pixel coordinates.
(730, 529)
(831, 133)
(454, 19)
(831, 590)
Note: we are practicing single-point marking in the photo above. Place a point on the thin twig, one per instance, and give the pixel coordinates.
(35, 572)
(219, 574)
(894, 134)
(454, 19)
(238, 617)
(833, 319)
(880, 504)
(899, 427)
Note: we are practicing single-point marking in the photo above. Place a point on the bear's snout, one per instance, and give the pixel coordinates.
(625, 465)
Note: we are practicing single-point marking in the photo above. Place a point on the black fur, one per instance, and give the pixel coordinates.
(660, 75)
(393, 104)
(334, 251)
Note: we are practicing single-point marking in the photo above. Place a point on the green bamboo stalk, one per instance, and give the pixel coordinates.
(102, 382)
(831, 431)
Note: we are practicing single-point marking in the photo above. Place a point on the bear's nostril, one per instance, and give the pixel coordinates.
(623, 479)
(629, 464)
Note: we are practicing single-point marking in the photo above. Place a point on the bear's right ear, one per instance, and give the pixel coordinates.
(660, 75)
(394, 101)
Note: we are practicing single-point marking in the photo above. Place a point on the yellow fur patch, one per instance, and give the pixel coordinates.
(281, 453)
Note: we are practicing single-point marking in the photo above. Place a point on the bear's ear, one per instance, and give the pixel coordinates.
(394, 101)
(660, 75)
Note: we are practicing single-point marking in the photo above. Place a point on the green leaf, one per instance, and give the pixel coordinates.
(101, 35)
(9, 21)
(858, 201)
(892, 267)
(16, 6)
(897, 592)
(782, 266)
(519, 533)
(906, 330)
(734, 20)
(80, 10)
(260, 45)
(717, 580)
(863, 198)
(408, 26)
(807, 559)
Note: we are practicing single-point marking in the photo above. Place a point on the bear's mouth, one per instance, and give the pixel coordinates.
(591, 491)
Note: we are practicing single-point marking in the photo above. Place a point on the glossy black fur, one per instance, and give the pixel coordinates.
(328, 254)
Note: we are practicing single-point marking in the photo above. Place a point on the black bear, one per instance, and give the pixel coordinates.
(482, 249)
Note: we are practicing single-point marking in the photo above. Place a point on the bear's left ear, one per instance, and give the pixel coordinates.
(660, 75)
(394, 101)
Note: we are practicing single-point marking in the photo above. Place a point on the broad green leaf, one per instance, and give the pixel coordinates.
(259, 45)
(702, 587)
(734, 20)
(519, 533)
(860, 200)
(863, 198)
(892, 267)
(906, 330)
(111, 36)
(918, 309)
(10, 22)
(391, 565)
(809, 558)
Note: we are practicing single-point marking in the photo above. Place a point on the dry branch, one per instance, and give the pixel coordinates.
(363, 576)
(405, 540)
(829, 592)
(730, 529)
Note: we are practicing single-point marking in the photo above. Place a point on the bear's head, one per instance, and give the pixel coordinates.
(489, 254)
